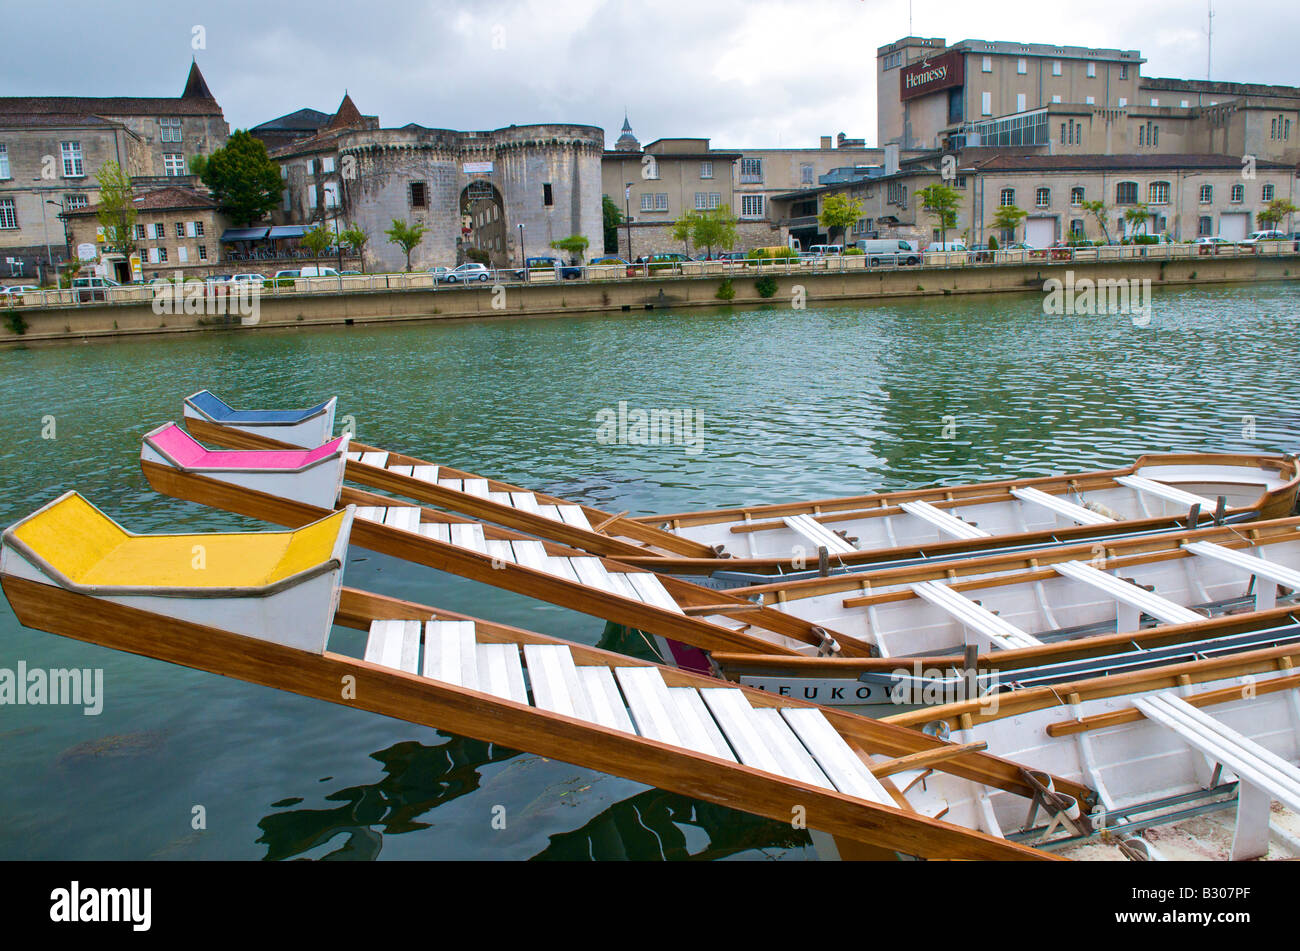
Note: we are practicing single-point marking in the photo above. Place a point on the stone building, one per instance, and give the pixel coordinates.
(471, 190)
(53, 147)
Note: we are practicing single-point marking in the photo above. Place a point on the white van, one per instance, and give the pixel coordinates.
(311, 271)
(822, 250)
(946, 246)
(888, 251)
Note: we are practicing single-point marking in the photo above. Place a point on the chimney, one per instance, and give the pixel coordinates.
(826, 142)
(891, 158)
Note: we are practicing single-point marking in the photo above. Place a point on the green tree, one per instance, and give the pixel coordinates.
(941, 203)
(354, 238)
(838, 212)
(682, 228)
(406, 236)
(1008, 217)
(715, 228)
(318, 240)
(1099, 211)
(574, 244)
(243, 178)
(1137, 217)
(1278, 209)
(198, 162)
(116, 208)
(612, 219)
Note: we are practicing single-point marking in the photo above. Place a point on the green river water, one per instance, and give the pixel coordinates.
(795, 404)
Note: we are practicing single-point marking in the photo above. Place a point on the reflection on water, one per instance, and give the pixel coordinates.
(797, 404)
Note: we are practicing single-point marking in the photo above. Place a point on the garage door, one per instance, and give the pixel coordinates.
(1234, 226)
(1040, 232)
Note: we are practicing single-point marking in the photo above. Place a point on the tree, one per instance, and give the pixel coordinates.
(1137, 217)
(406, 236)
(318, 240)
(715, 228)
(243, 178)
(1099, 211)
(1272, 216)
(1008, 218)
(116, 209)
(198, 162)
(574, 244)
(838, 212)
(612, 219)
(682, 228)
(941, 202)
(354, 238)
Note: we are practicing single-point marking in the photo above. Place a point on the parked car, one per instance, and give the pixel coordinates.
(286, 275)
(439, 273)
(469, 271)
(218, 279)
(350, 273)
(821, 250)
(568, 272)
(1214, 240)
(312, 271)
(946, 246)
(15, 292)
(91, 288)
(257, 279)
(1256, 236)
(888, 251)
(608, 259)
(731, 256)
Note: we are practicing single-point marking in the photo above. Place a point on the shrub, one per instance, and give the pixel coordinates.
(479, 256)
(993, 242)
(726, 291)
(16, 322)
(766, 286)
(854, 251)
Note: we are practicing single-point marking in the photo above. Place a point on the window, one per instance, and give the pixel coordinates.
(657, 201)
(1056, 67)
(751, 206)
(1020, 102)
(1056, 99)
(139, 232)
(8, 215)
(182, 254)
(1122, 102)
(4, 162)
(419, 195)
(1126, 193)
(1266, 193)
(72, 159)
(1076, 196)
(311, 166)
(1092, 70)
(1007, 198)
(1155, 102)
(707, 201)
(180, 229)
(1238, 193)
(73, 202)
(1021, 67)
(284, 171)
(1090, 100)
(1076, 226)
(169, 129)
(896, 194)
(159, 231)
(706, 170)
(313, 199)
(288, 202)
(1204, 226)
(173, 164)
(1207, 194)
(986, 66)
(1123, 71)
(162, 255)
(805, 174)
(203, 252)
(198, 229)
(327, 164)
(1184, 103)
(548, 197)
(331, 194)
(1158, 193)
(986, 103)
(751, 170)
(893, 60)
(1043, 197)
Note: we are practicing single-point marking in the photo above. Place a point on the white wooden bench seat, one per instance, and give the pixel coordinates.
(1262, 775)
(946, 522)
(1169, 493)
(818, 534)
(1061, 506)
(1133, 601)
(1268, 575)
(1000, 632)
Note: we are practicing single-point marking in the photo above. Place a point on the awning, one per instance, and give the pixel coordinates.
(286, 231)
(244, 234)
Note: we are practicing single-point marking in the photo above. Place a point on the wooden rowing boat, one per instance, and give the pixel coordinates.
(69, 569)
(1161, 748)
(1159, 492)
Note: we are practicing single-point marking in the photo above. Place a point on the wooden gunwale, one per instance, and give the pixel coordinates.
(477, 566)
(469, 713)
(1263, 660)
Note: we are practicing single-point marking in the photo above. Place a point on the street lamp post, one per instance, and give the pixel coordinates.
(63, 216)
(523, 256)
(49, 256)
(627, 219)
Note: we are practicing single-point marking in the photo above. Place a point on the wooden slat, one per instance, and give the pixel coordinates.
(647, 698)
(695, 724)
(394, 644)
(425, 473)
(603, 699)
(561, 568)
(1001, 632)
(593, 574)
(817, 534)
(500, 550)
(501, 673)
(1061, 506)
(924, 759)
(450, 653)
(1167, 492)
(838, 761)
(524, 501)
(554, 679)
(789, 750)
(735, 716)
(1278, 574)
(455, 485)
(438, 531)
(468, 535)
(573, 515)
(405, 517)
(530, 554)
(549, 511)
(652, 590)
(377, 459)
(946, 522)
(371, 513)
(401, 470)
(478, 487)
(1160, 608)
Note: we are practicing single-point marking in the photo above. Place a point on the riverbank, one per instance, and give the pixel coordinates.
(86, 321)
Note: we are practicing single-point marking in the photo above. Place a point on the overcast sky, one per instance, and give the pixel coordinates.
(746, 73)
